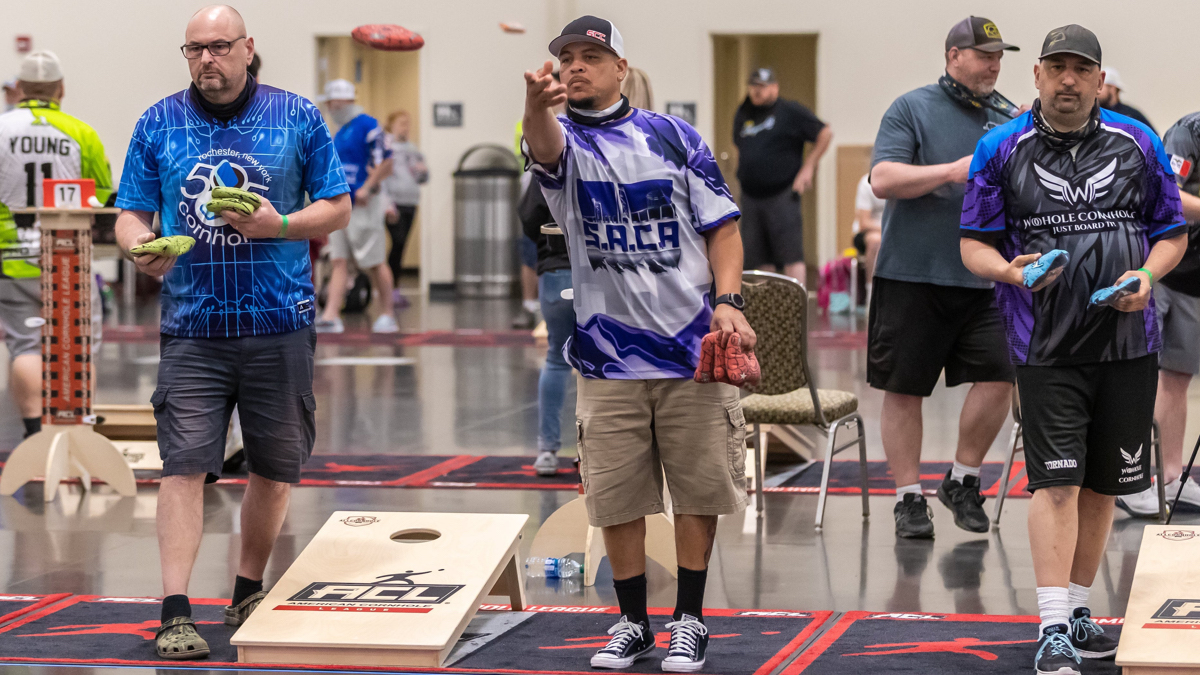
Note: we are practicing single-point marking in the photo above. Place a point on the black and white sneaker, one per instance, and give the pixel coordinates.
(630, 642)
(1089, 639)
(689, 641)
(914, 518)
(1056, 655)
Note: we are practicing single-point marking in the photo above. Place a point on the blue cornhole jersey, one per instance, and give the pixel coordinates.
(279, 147)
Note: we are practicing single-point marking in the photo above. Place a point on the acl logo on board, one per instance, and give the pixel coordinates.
(388, 593)
(1176, 613)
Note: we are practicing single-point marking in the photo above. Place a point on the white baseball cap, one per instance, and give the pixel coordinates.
(1111, 76)
(338, 90)
(40, 66)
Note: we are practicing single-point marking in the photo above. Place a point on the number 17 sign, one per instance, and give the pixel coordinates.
(68, 194)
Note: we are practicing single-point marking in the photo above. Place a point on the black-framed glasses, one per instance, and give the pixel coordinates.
(218, 48)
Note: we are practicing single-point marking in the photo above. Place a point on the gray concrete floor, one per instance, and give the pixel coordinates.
(484, 401)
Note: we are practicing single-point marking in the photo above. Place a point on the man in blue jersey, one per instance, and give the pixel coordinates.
(237, 310)
(1096, 188)
(652, 233)
(367, 158)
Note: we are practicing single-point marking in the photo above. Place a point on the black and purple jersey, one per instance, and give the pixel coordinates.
(1105, 201)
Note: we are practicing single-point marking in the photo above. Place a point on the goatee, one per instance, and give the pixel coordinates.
(588, 103)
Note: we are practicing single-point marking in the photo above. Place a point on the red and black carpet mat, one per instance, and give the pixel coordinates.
(517, 473)
(102, 631)
(89, 630)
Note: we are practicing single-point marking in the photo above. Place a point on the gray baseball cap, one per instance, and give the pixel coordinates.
(1072, 39)
(762, 76)
(976, 32)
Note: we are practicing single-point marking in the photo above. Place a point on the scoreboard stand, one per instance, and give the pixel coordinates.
(67, 446)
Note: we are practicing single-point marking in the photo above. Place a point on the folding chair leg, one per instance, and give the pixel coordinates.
(862, 465)
(825, 474)
(1156, 444)
(1008, 463)
(760, 459)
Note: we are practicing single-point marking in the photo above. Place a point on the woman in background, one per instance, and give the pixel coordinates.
(403, 188)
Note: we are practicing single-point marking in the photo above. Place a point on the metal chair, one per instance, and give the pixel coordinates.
(777, 310)
(1016, 444)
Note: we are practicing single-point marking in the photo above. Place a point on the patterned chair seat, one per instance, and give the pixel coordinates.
(796, 407)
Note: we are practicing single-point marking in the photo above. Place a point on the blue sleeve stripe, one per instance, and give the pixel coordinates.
(720, 221)
(990, 145)
(1165, 229)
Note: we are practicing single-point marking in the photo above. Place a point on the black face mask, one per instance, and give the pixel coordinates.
(588, 121)
(1063, 141)
(225, 111)
(968, 99)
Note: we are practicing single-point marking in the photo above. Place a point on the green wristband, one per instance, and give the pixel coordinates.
(283, 230)
(1148, 273)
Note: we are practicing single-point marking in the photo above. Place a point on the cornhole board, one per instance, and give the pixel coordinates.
(1162, 619)
(386, 589)
(126, 422)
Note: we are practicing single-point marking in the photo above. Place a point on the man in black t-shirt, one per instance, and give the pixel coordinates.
(770, 134)
(1177, 299)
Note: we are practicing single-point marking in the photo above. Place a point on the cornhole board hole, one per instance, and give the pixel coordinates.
(1162, 620)
(386, 589)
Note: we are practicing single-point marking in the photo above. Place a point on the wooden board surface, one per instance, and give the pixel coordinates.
(405, 603)
(1162, 620)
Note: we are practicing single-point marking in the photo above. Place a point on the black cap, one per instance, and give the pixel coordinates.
(590, 29)
(1072, 39)
(976, 32)
(762, 76)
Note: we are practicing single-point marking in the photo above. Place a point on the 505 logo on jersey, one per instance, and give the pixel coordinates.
(197, 192)
(629, 225)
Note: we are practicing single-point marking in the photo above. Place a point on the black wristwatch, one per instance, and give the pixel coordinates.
(734, 300)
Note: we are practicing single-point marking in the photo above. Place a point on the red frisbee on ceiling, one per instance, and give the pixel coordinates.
(388, 37)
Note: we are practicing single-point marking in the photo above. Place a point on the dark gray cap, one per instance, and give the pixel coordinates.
(976, 32)
(762, 76)
(1072, 39)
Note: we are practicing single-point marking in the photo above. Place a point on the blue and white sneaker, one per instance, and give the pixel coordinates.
(1107, 297)
(689, 641)
(630, 642)
(1056, 655)
(1089, 639)
(1034, 272)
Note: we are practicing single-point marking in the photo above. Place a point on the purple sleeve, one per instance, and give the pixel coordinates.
(1162, 212)
(983, 204)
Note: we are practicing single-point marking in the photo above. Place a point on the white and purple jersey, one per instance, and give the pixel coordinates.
(634, 197)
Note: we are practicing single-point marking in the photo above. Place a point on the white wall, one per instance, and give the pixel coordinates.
(121, 56)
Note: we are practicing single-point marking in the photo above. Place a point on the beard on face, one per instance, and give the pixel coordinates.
(585, 103)
(212, 81)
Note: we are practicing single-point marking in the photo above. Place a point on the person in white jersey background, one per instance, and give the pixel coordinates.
(652, 234)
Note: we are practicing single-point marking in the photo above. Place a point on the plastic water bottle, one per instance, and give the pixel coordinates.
(551, 568)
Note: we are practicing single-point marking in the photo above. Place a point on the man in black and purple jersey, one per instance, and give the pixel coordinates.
(1096, 188)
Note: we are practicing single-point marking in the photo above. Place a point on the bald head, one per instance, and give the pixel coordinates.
(222, 18)
(220, 77)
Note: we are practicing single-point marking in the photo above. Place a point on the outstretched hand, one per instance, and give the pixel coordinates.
(542, 92)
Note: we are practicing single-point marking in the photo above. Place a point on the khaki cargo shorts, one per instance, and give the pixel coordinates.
(632, 432)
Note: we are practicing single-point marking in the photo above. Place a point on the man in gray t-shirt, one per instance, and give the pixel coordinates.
(928, 313)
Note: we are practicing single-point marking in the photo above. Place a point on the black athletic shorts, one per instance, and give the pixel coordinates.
(916, 330)
(772, 230)
(1089, 425)
(268, 377)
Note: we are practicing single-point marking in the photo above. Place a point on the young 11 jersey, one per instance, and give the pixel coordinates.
(634, 197)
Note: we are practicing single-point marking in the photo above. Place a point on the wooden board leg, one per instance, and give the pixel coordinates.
(27, 461)
(593, 555)
(515, 583)
(58, 461)
(103, 461)
(660, 542)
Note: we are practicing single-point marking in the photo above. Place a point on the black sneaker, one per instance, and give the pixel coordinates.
(1056, 655)
(1089, 639)
(914, 518)
(965, 502)
(630, 642)
(689, 641)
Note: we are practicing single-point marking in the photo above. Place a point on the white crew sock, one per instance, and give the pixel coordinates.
(914, 489)
(1053, 606)
(961, 471)
(1077, 596)
(531, 306)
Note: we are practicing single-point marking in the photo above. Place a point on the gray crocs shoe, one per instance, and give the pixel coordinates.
(178, 640)
(236, 616)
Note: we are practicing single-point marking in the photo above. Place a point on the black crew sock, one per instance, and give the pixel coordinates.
(32, 425)
(244, 588)
(631, 596)
(175, 606)
(689, 598)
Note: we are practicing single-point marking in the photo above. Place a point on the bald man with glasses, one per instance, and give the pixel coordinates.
(238, 309)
